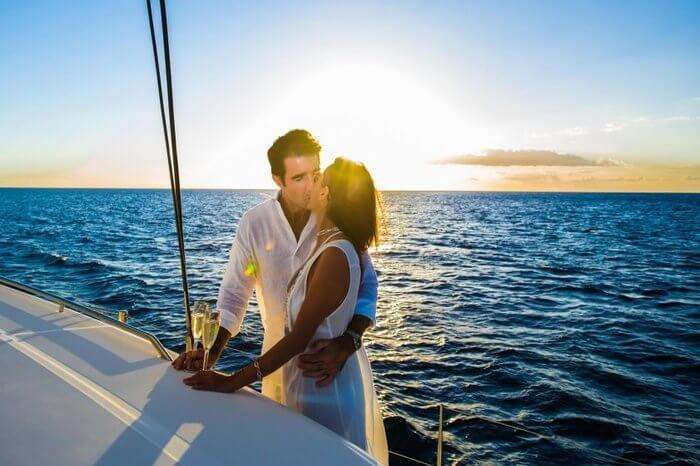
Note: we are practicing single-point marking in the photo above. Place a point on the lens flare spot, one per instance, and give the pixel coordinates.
(251, 269)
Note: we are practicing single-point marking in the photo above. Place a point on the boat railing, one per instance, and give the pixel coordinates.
(101, 315)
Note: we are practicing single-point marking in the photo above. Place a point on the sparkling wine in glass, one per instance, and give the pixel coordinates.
(198, 316)
(210, 329)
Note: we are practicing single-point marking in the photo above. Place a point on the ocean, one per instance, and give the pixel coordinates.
(554, 328)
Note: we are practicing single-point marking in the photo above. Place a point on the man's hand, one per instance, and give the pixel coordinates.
(190, 361)
(193, 360)
(325, 359)
(210, 381)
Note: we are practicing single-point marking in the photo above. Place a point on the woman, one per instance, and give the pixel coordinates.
(320, 303)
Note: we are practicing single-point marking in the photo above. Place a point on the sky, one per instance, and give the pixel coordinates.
(533, 96)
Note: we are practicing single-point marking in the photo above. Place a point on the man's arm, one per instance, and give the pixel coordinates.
(327, 357)
(366, 307)
(367, 294)
(234, 293)
(239, 279)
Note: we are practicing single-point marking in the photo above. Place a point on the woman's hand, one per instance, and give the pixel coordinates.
(211, 381)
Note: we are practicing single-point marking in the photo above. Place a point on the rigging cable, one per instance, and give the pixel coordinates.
(171, 152)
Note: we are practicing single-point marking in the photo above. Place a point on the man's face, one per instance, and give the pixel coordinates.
(299, 177)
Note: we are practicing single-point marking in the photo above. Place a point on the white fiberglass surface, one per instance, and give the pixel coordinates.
(107, 394)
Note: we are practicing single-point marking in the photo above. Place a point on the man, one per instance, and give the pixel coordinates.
(273, 240)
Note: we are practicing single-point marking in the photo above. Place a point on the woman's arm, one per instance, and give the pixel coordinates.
(327, 288)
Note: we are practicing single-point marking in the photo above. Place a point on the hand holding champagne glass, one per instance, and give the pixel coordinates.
(210, 330)
(192, 360)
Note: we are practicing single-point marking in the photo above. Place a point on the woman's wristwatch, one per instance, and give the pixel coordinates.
(356, 339)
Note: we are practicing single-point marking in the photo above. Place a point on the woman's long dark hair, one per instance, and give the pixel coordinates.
(354, 204)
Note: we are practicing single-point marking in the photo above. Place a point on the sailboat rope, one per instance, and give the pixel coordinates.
(171, 152)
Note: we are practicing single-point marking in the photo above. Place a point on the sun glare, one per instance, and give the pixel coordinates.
(383, 116)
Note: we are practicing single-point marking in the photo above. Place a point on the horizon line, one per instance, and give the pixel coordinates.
(380, 190)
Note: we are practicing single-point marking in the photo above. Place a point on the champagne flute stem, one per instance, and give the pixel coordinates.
(206, 359)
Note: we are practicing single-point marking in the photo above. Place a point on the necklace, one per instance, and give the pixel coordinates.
(327, 230)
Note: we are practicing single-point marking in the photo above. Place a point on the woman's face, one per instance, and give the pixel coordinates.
(319, 195)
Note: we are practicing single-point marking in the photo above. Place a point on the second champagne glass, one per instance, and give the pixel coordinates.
(210, 330)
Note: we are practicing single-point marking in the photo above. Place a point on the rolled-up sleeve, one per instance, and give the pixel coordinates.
(367, 294)
(239, 280)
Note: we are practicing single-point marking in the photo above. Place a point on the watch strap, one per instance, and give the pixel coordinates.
(356, 339)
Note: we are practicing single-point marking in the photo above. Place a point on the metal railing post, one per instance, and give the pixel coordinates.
(439, 439)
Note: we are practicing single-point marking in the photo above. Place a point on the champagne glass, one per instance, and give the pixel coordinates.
(210, 330)
(198, 316)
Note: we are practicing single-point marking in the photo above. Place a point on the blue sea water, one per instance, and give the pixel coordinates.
(576, 316)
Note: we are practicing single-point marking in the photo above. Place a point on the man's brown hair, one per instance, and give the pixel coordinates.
(297, 142)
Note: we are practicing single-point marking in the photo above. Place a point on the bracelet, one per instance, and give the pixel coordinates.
(256, 364)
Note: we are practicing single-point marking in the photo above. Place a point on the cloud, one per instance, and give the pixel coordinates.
(577, 131)
(613, 127)
(645, 121)
(597, 179)
(544, 178)
(529, 158)
(617, 125)
(680, 118)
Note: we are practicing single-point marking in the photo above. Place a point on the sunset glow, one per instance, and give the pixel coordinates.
(396, 88)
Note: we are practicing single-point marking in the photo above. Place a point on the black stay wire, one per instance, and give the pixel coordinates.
(171, 152)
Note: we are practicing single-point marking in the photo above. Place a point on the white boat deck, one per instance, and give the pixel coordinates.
(77, 391)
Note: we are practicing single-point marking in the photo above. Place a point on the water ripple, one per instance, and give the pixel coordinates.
(574, 315)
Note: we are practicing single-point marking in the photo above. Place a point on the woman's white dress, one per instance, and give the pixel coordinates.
(349, 405)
